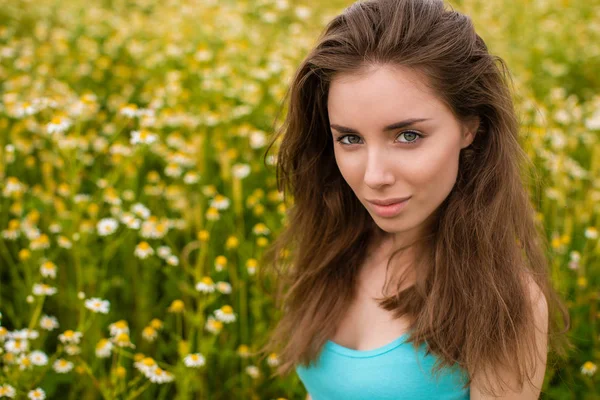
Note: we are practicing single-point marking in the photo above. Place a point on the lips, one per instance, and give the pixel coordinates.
(390, 210)
(388, 201)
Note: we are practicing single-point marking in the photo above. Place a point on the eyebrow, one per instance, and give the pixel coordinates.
(395, 125)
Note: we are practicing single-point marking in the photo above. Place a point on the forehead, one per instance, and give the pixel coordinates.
(381, 92)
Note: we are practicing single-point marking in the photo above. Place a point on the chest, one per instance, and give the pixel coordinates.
(364, 324)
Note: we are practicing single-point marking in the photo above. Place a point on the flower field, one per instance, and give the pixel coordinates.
(137, 196)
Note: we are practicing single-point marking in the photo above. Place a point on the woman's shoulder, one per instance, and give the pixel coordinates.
(534, 290)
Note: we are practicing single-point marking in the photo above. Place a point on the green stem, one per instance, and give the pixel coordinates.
(139, 391)
(37, 312)
(97, 383)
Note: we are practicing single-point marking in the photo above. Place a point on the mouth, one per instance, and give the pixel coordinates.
(388, 202)
(390, 210)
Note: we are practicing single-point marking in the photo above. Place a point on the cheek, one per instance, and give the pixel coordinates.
(436, 175)
(349, 168)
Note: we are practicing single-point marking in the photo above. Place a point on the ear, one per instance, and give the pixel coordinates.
(469, 131)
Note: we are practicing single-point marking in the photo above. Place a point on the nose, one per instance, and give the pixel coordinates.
(379, 170)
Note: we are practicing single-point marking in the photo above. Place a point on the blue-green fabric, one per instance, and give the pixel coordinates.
(390, 372)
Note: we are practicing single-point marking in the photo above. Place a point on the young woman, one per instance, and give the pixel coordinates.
(445, 293)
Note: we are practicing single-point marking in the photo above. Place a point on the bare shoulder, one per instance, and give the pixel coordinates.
(308, 397)
(536, 297)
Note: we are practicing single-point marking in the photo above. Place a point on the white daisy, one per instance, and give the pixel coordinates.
(7, 391)
(145, 365)
(143, 136)
(38, 358)
(191, 177)
(253, 371)
(220, 202)
(143, 250)
(593, 122)
(212, 325)
(103, 348)
(62, 366)
(48, 322)
(223, 287)
(12, 186)
(58, 125)
(225, 314)
(591, 233)
(302, 12)
(130, 220)
(212, 214)
(24, 362)
(37, 394)
(149, 334)
(129, 110)
(48, 269)
(220, 263)
(70, 336)
(41, 289)
(206, 285)
(261, 229)
(97, 305)
(589, 368)
(106, 226)
(272, 360)
(24, 334)
(163, 252)
(72, 349)
(24, 109)
(159, 375)
(140, 210)
(194, 360)
(120, 326)
(240, 171)
(173, 170)
(16, 346)
(122, 340)
(173, 260)
(257, 139)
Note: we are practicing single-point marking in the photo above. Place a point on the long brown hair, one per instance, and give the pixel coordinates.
(469, 303)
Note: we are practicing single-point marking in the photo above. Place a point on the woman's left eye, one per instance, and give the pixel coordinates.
(417, 136)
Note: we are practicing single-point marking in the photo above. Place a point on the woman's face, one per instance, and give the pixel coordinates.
(419, 160)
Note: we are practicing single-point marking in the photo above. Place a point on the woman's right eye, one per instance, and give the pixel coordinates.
(345, 136)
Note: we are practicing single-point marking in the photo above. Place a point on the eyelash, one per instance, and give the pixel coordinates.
(419, 137)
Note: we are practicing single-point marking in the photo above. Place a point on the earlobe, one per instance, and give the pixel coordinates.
(470, 130)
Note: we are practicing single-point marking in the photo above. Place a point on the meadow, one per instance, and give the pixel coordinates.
(136, 199)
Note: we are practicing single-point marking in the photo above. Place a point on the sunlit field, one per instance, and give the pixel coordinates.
(136, 204)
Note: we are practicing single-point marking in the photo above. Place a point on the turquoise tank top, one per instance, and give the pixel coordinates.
(390, 372)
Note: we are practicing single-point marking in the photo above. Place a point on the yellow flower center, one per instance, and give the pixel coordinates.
(148, 361)
(227, 309)
(122, 338)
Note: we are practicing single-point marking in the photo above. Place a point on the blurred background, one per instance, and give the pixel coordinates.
(135, 202)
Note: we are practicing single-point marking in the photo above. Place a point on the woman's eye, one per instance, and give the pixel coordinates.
(410, 136)
(345, 136)
(413, 135)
